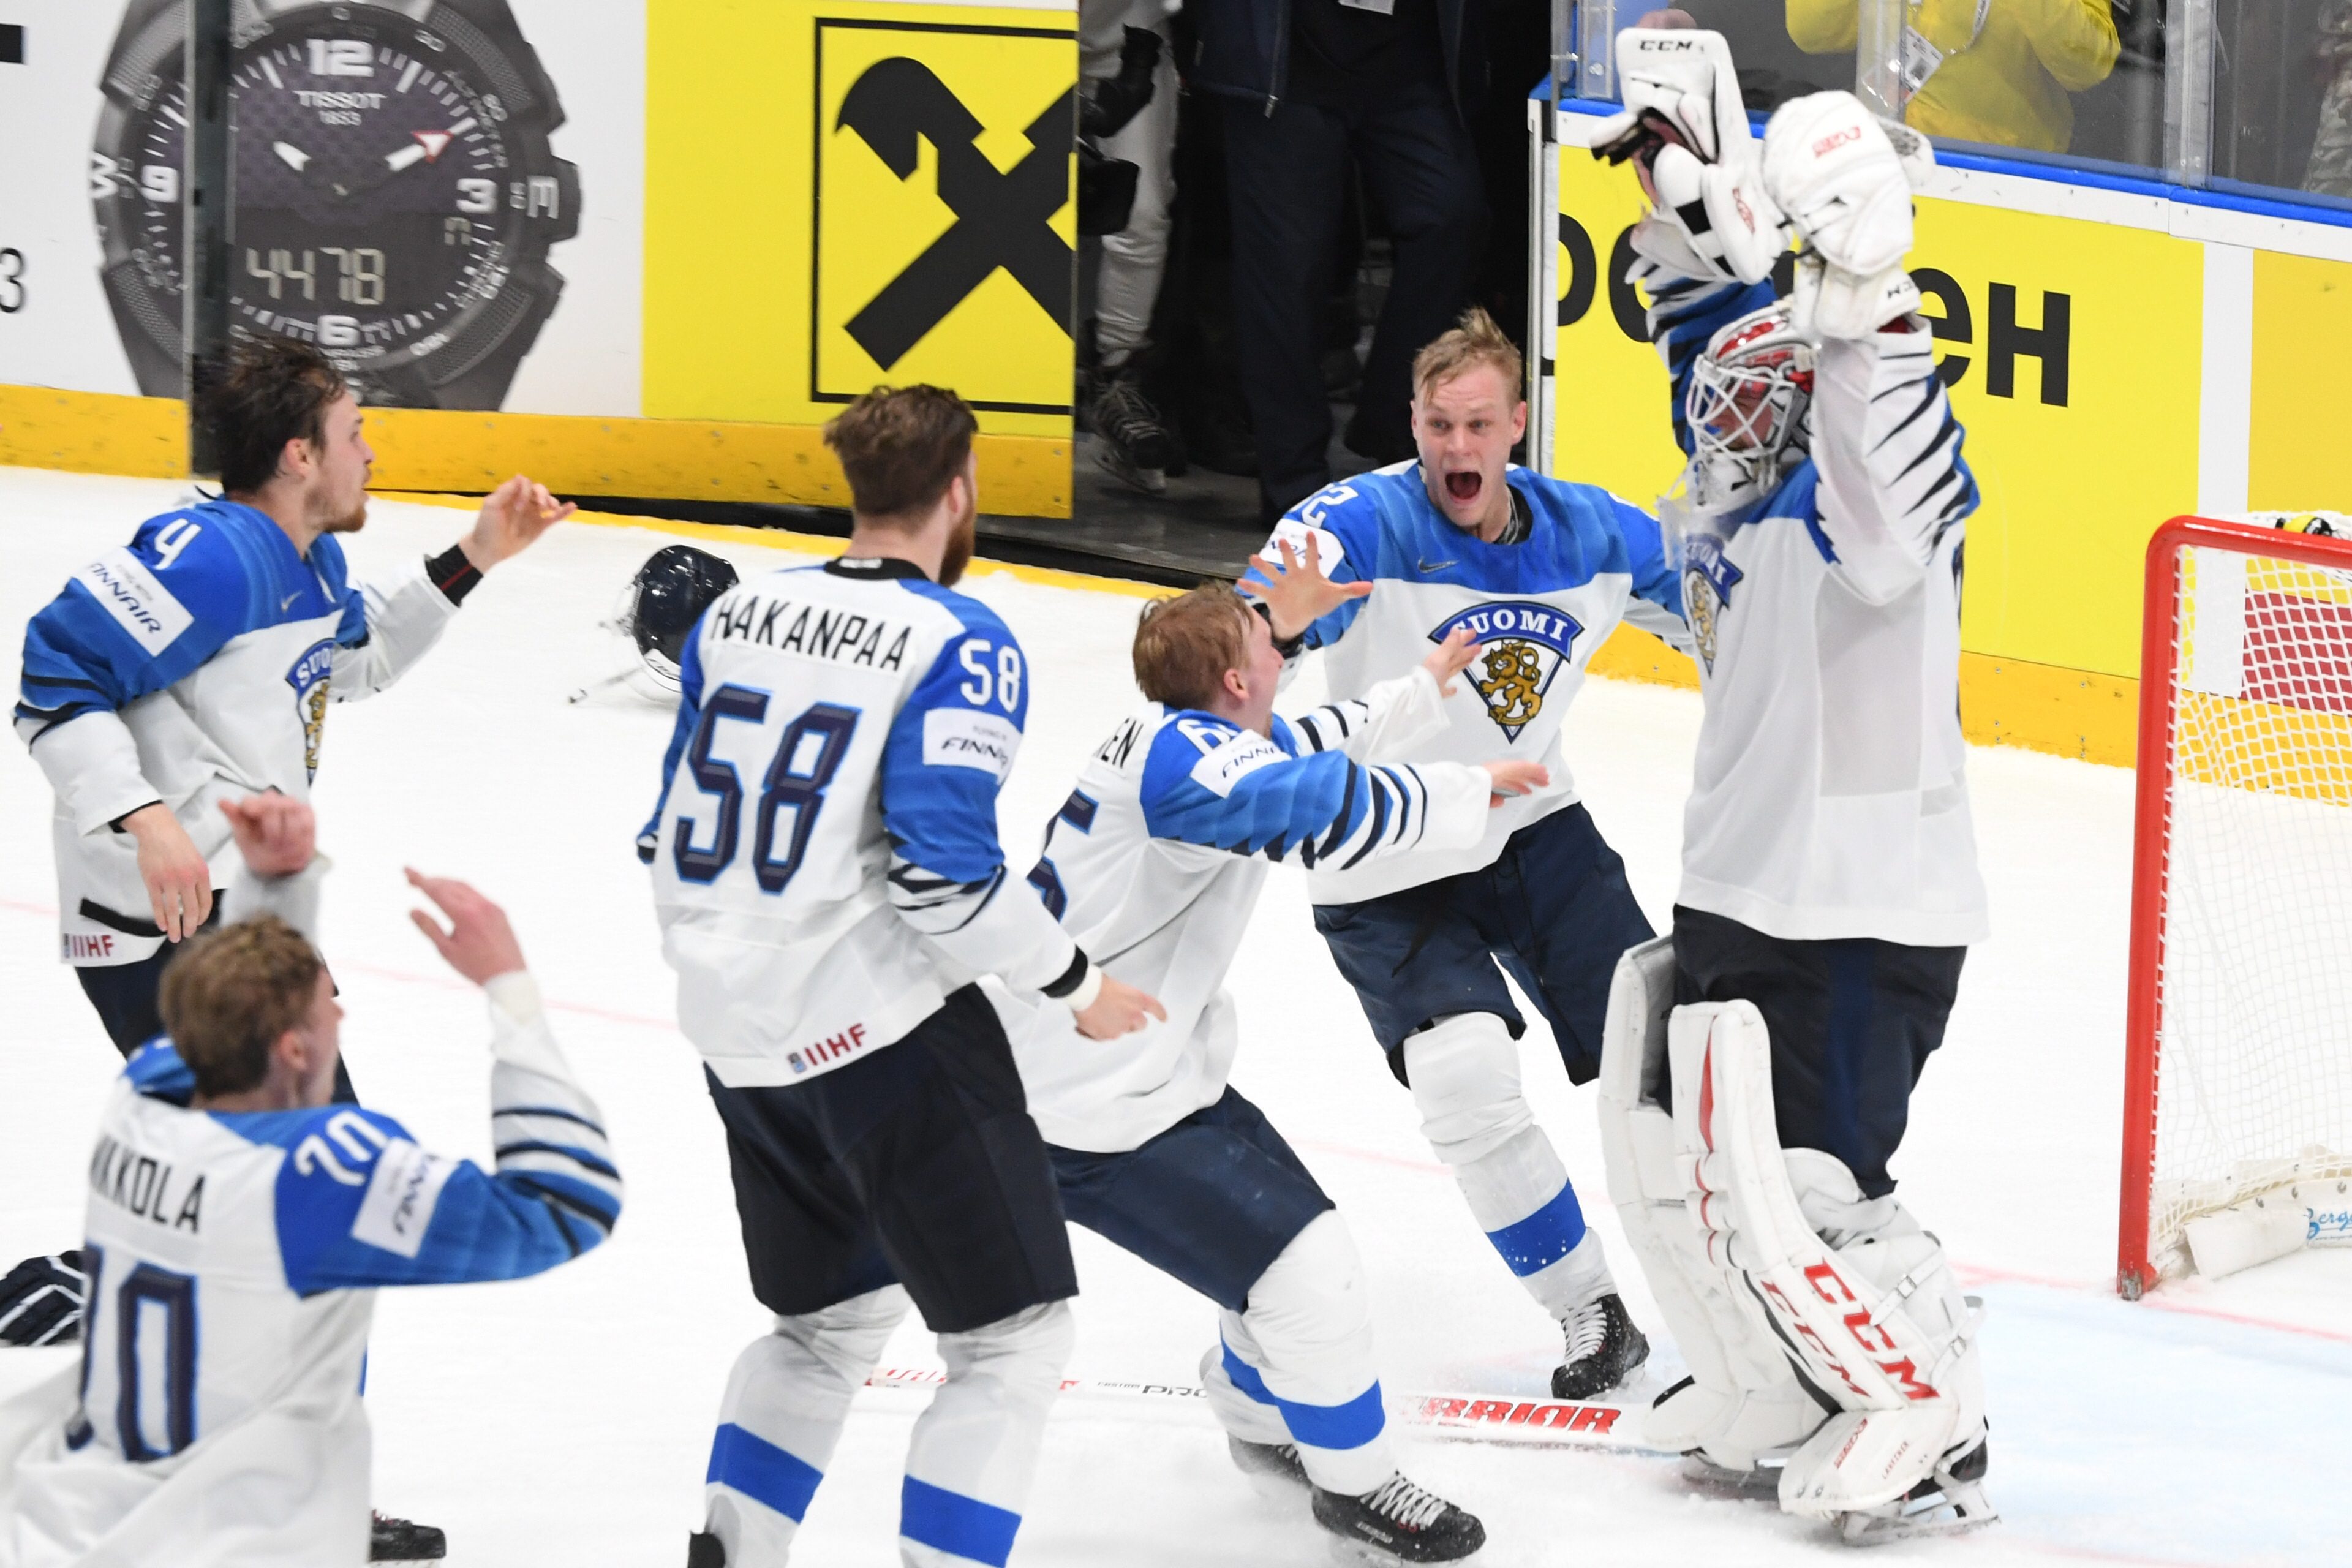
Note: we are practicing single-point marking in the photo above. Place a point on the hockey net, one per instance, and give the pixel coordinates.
(2239, 1074)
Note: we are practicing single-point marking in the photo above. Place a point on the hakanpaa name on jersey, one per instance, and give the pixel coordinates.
(1539, 608)
(825, 851)
(233, 1259)
(1829, 796)
(192, 666)
(1154, 865)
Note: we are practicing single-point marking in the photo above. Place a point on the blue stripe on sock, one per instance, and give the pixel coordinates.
(762, 1471)
(1544, 1238)
(951, 1522)
(1349, 1425)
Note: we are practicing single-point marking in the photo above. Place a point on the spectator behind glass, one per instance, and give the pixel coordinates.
(1305, 88)
(1997, 71)
(2330, 169)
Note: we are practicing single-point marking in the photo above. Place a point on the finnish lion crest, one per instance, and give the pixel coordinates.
(1708, 580)
(309, 677)
(1524, 645)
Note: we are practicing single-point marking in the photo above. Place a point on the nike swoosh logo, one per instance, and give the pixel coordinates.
(1432, 565)
(290, 599)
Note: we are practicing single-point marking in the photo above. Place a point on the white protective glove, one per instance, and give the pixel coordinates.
(1685, 131)
(1844, 177)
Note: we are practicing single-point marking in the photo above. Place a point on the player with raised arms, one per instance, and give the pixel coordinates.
(829, 883)
(1154, 864)
(1761, 1062)
(195, 665)
(1374, 570)
(240, 1223)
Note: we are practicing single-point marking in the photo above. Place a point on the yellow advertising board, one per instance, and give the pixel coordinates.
(2072, 350)
(906, 213)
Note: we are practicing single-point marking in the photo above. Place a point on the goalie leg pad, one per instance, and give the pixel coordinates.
(1842, 1306)
(1465, 1074)
(1741, 1402)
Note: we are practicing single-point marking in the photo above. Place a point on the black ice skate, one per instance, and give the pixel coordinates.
(1274, 1468)
(1952, 1499)
(1131, 441)
(1399, 1522)
(1604, 1349)
(704, 1549)
(399, 1541)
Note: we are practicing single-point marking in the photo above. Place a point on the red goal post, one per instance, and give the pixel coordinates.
(2238, 1079)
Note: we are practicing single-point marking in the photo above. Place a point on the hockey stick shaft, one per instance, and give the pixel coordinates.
(1458, 1417)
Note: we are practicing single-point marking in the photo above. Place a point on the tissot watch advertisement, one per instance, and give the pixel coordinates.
(444, 195)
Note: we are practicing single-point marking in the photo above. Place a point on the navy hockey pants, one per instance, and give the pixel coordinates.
(1852, 1023)
(1554, 910)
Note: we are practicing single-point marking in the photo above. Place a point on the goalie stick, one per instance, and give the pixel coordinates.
(1458, 1417)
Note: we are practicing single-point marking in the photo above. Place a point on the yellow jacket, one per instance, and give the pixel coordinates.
(2010, 86)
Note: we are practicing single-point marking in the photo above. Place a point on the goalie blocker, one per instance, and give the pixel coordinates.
(1828, 1342)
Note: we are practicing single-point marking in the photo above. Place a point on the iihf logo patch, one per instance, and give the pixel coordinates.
(1707, 579)
(309, 677)
(1525, 646)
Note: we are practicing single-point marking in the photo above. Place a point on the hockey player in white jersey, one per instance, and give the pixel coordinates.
(195, 665)
(1154, 864)
(1761, 1062)
(240, 1226)
(829, 884)
(1540, 570)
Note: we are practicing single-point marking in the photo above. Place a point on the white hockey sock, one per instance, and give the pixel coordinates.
(1296, 1365)
(782, 1415)
(1464, 1072)
(975, 1449)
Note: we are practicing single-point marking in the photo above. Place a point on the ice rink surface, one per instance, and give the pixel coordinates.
(566, 1420)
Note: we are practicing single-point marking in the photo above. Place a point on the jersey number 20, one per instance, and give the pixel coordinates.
(785, 787)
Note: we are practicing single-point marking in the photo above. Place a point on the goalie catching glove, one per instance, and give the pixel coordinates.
(1686, 132)
(1843, 178)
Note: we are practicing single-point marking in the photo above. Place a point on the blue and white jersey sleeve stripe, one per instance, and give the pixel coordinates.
(949, 752)
(1893, 482)
(1685, 312)
(1210, 783)
(361, 1204)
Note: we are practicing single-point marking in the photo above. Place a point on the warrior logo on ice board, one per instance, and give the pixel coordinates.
(1708, 578)
(309, 677)
(1525, 643)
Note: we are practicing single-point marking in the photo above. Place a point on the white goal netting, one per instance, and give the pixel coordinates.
(2253, 1049)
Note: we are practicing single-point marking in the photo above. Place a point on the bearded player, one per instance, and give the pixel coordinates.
(1374, 571)
(1759, 1063)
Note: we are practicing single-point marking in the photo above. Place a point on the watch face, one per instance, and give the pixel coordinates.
(382, 197)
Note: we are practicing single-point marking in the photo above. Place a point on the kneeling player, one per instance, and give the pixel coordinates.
(1759, 1065)
(239, 1225)
(1154, 863)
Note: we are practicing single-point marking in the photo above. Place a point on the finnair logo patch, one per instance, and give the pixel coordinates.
(962, 738)
(139, 604)
(1525, 645)
(1229, 760)
(401, 1198)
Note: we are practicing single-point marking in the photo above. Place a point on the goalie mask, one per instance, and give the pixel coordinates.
(668, 595)
(1747, 406)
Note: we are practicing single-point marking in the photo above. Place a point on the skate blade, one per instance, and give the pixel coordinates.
(1760, 1482)
(1150, 481)
(1954, 1513)
(1349, 1551)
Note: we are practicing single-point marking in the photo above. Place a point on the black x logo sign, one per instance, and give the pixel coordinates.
(1002, 219)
